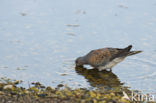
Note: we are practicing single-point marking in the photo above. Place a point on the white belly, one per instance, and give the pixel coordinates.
(111, 64)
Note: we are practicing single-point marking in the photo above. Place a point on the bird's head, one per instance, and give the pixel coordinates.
(79, 62)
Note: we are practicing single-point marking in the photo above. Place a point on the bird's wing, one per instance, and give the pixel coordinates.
(98, 57)
(102, 56)
(116, 52)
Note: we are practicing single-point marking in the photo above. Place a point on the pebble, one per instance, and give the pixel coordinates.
(8, 86)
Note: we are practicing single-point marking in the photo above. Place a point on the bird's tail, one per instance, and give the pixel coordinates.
(133, 52)
(127, 49)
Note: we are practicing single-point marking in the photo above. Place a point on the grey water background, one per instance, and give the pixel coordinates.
(40, 39)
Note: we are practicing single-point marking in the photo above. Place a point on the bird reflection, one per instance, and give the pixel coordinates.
(99, 78)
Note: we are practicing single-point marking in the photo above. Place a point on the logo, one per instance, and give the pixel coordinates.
(138, 96)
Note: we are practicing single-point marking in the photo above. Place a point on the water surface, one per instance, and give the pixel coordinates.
(40, 39)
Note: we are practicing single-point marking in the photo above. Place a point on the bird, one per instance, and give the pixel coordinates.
(105, 58)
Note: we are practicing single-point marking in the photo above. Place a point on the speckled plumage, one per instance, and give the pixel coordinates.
(105, 58)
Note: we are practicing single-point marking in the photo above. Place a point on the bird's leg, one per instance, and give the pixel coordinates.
(100, 69)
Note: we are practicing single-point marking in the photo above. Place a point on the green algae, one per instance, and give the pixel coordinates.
(62, 93)
(38, 93)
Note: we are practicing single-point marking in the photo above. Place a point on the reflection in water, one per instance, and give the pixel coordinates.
(97, 78)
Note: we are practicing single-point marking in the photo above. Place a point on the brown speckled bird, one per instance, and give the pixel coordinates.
(105, 58)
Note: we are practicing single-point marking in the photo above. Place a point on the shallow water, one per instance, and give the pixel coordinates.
(40, 40)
